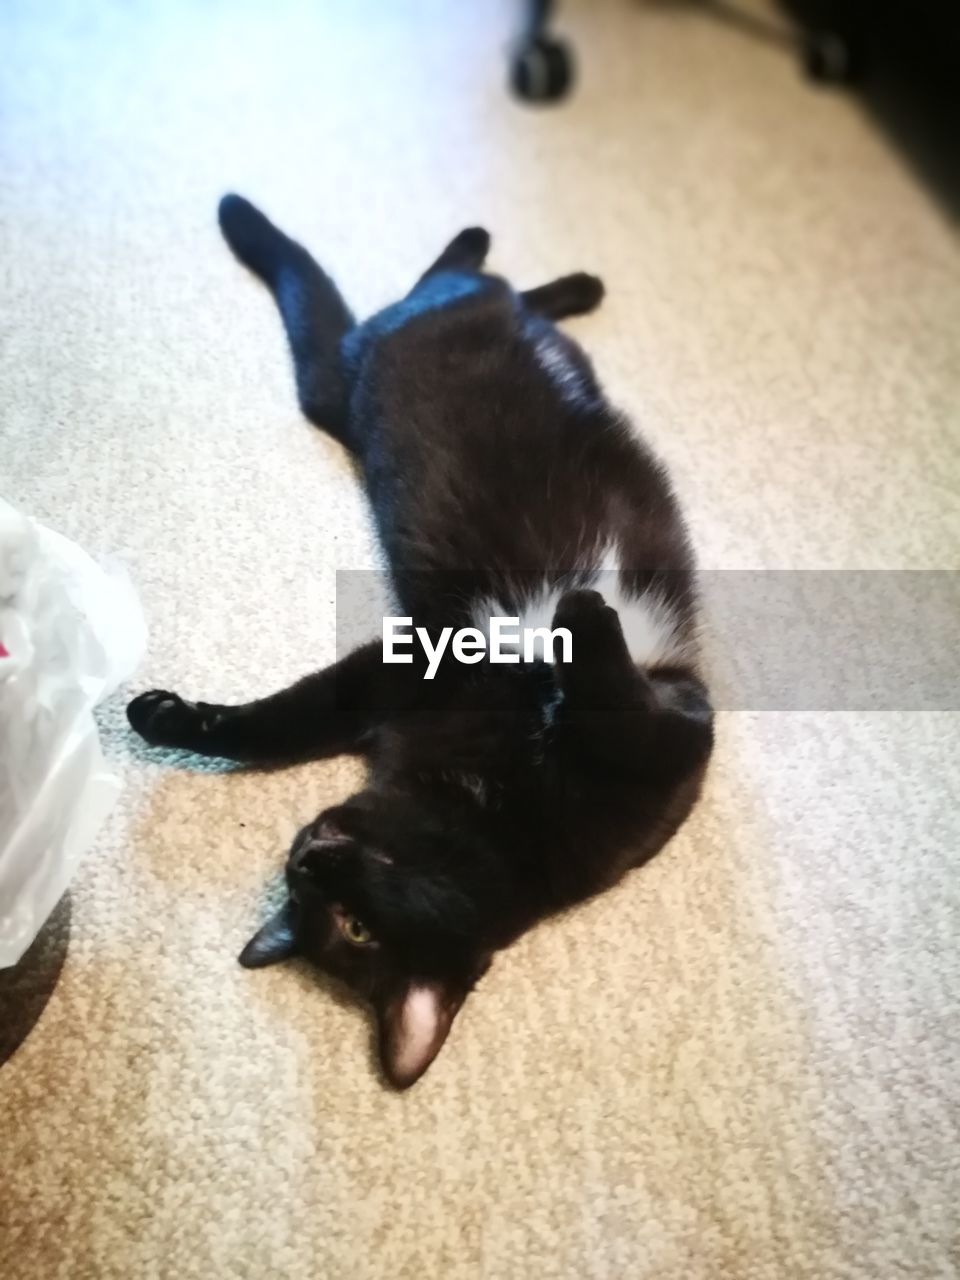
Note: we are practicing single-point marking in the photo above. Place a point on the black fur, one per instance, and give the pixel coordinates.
(498, 794)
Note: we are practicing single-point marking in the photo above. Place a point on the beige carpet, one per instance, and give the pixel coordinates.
(744, 1062)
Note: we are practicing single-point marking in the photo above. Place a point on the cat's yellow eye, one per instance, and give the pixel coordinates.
(355, 931)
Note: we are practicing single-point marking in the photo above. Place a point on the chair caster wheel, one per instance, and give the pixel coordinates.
(829, 58)
(541, 70)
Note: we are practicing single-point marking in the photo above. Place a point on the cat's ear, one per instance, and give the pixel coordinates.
(415, 1019)
(276, 940)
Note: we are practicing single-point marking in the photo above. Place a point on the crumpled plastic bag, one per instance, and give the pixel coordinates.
(70, 633)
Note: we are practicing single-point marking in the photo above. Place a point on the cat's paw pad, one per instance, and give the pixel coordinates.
(584, 607)
(164, 719)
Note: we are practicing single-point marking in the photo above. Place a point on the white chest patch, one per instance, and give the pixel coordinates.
(651, 628)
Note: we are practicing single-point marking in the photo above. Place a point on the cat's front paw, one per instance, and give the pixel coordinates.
(593, 624)
(584, 608)
(164, 719)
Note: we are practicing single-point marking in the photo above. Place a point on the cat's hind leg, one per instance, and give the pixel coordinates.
(314, 314)
(572, 295)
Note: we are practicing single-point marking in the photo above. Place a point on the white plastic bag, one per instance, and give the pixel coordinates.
(70, 633)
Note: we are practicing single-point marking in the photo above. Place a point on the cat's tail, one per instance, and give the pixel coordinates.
(314, 314)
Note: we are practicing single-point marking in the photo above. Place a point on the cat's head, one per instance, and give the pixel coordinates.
(402, 905)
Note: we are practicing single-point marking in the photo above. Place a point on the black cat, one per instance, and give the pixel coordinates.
(502, 483)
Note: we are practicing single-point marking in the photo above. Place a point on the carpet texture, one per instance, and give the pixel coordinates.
(743, 1061)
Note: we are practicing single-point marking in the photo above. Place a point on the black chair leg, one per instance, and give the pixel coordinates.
(541, 67)
(826, 55)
